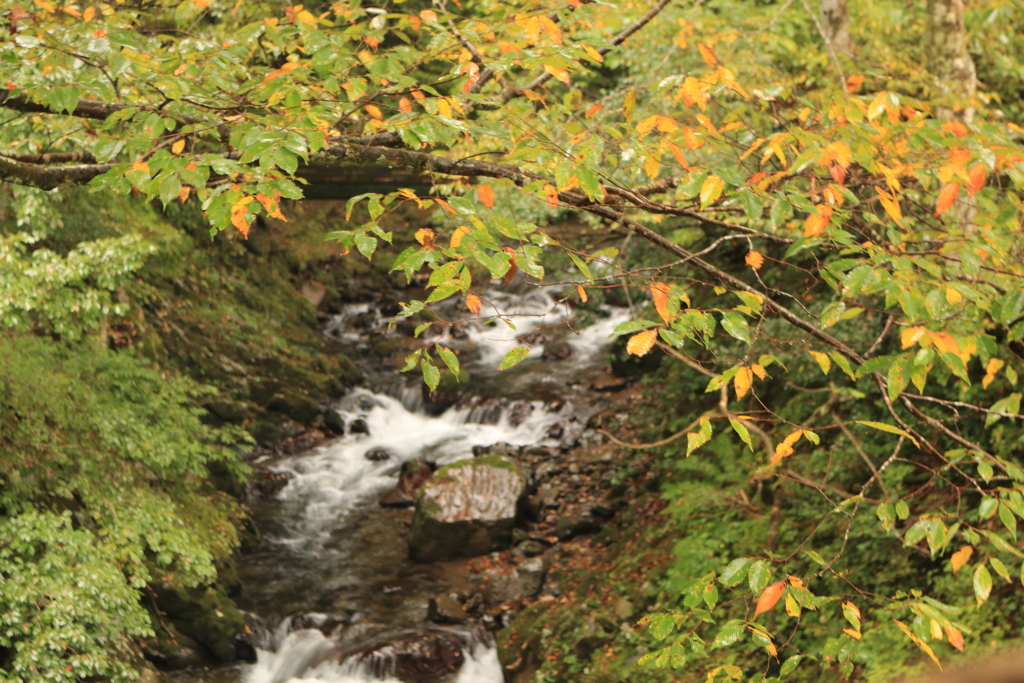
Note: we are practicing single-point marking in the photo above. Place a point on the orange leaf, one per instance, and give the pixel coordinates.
(513, 267)
(486, 195)
(853, 83)
(593, 110)
(946, 197)
(582, 292)
(769, 597)
(956, 639)
(758, 370)
(140, 166)
(177, 146)
(551, 28)
(678, 154)
(659, 292)
(956, 128)
(428, 15)
(976, 178)
(444, 205)
(754, 260)
(238, 213)
(742, 381)
(960, 557)
(551, 196)
(374, 111)
(473, 304)
(88, 14)
(404, 105)
(708, 54)
(911, 336)
(183, 194)
(641, 342)
(592, 53)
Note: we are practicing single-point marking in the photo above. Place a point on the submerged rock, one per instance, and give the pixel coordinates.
(467, 509)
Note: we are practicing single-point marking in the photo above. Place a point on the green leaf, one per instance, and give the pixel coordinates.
(1000, 569)
(695, 440)
(730, 633)
(411, 360)
(789, 666)
(736, 325)
(735, 571)
(982, 583)
(431, 375)
(1008, 520)
(887, 428)
(740, 429)
(514, 357)
(758, 575)
(449, 358)
(631, 326)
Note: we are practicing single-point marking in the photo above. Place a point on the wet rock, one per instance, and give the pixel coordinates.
(554, 406)
(458, 333)
(359, 426)
(267, 483)
(378, 454)
(229, 411)
(366, 403)
(450, 388)
(555, 431)
(467, 509)
(504, 449)
(446, 610)
(560, 351)
(524, 580)
(607, 383)
(385, 348)
(416, 659)
(173, 653)
(529, 548)
(206, 615)
(309, 438)
(297, 406)
(534, 338)
(573, 525)
(414, 474)
(334, 421)
(519, 412)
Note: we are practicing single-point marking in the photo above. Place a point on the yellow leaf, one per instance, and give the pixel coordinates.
(178, 146)
(783, 450)
(877, 106)
(994, 365)
(533, 29)
(953, 296)
(238, 213)
(917, 641)
(710, 190)
(140, 166)
(742, 381)
(911, 336)
(769, 597)
(582, 292)
(659, 292)
(641, 342)
(792, 608)
(891, 206)
(853, 634)
(457, 236)
(822, 359)
(305, 17)
(444, 108)
(88, 14)
(758, 370)
(424, 235)
(750, 150)
(551, 28)
(936, 629)
(559, 73)
(754, 259)
(945, 343)
(592, 53)
(473, 304)
(946, 197)
(652, 166)
(428, 15)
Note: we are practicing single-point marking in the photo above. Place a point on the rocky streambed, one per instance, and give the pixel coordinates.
(396, 549)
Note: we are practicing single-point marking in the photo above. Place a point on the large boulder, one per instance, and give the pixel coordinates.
(416, 659)
(467, 509)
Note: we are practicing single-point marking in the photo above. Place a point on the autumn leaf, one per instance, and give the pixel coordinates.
(742, 381)
(853, 83)
(551, 28)
(513, 266)
(559, 73)
(551, 196)
(642, 342)
(593, 110)
(708, 54)
(88, 14)
(177, 146)
(405, 105)
(920, 643)
(758, 370)
(754, 259)
(960, 557)
(425, 236)
(956, 128)
(710, 190)
(428, 15)
(891, 206)
(946, 197)
(956, 639)
(592, 53)
(486, 195)
(238, 213)
(582, 292)
(877, 105)
(769, 597)
(473, 304)
(976, 179)
(911, 335)
(457, 236)
(659, 292)
(652, 166)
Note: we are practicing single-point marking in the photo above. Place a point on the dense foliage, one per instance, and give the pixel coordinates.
(827, 242)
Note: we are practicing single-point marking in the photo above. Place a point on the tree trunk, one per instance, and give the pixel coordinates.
(949, 59)
(835, 22)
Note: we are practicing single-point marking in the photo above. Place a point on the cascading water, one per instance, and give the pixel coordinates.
(333, 572)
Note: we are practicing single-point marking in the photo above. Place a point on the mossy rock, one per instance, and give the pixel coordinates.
(206, 615)
(299, 407)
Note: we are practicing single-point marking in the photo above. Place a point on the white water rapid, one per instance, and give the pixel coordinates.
(332, 490)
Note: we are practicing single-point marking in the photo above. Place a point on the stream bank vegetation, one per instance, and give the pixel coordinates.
(819, 216)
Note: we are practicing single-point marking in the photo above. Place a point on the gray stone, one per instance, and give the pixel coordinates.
(529, 548)
(524, 580)
(571, 526)
(501, 448)
(467, 509)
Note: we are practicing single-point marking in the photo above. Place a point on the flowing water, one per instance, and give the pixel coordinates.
(332, 561)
